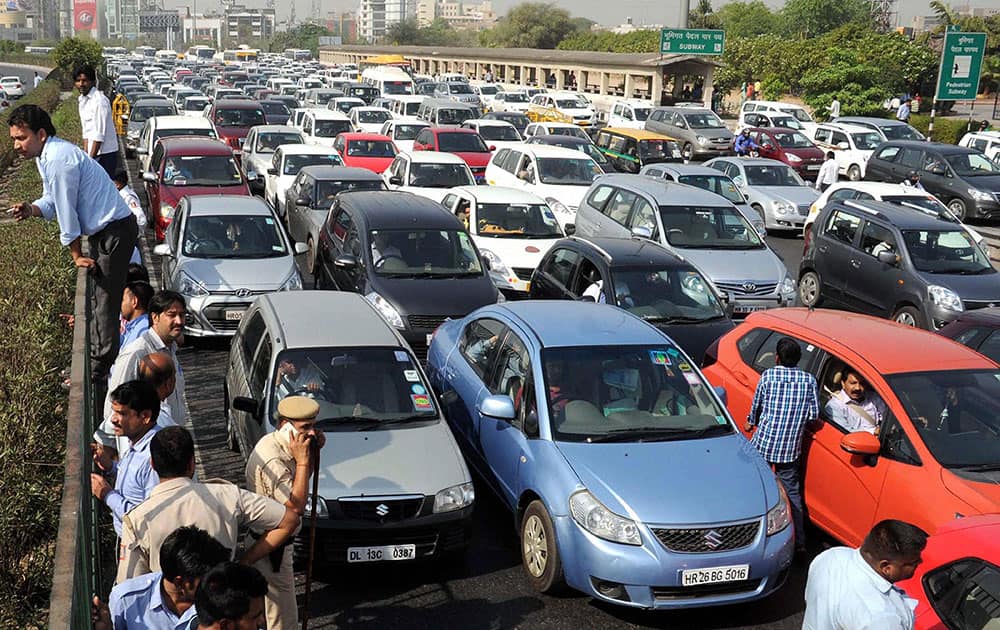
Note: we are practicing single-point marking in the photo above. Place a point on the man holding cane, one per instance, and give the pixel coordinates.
(78, 194)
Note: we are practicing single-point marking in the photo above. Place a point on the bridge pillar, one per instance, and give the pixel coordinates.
(707, 88)
(560, 79)
(656, 87)
(603, 89)
(629, 84)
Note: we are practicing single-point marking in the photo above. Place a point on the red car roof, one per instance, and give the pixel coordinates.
(194, 145)
(355, 135)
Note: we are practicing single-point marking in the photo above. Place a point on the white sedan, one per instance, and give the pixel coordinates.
(369, 119)
(12, 86)
(428, 173)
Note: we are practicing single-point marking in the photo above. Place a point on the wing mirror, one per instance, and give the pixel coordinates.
(493, 147)
(248, 405)
(843, 146)
(569, 229)
(396, 180)
(936, 169)
(251, 176)
(272, 171)
(346, 261)
(642, 231)
(303, 200)
(860, 443)
(500, 407)
(162, 249)
(486, 263)
(141, 151)
(149, 176)
(301, 248)
(888, 258)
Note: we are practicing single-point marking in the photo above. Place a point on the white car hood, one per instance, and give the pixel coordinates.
(370, 127)
(516, 252)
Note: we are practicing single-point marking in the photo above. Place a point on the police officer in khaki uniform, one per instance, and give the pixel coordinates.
(279, 468)
(216, 506)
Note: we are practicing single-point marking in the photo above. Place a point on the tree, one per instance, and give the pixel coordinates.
(74, 52)
(810, 18)
(529, 25)
(942, 12)
(302, 36)
(702, 16)
(746, 19)
(404, 33)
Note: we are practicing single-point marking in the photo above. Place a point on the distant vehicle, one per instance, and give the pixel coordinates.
(465, 143)
(700, 132)
(258, 151)
(791, 147)
(140, 112)
(288, 160)
(233, 120)
(12, 86)
(429, 174)
(167, 126)
(365, 150)
(888, 128)
(402, 132)
(772, 188)
(851, 144)
(497, 133)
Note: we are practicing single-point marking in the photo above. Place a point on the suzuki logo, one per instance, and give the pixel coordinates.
(382, 509)
(243, 293)
(749, 287)
(713, 539)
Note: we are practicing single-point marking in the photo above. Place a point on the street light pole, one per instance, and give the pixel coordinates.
(685, 12)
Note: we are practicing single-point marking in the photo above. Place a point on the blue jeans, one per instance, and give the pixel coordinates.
(790, 475)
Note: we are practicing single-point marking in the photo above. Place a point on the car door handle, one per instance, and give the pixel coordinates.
(741, 377)
(856, 264)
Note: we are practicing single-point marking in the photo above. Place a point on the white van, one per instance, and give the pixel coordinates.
(405, 106)
(629, 113)
(390, 81)
(276, 83)
(322, 126)
(986, 141)
(797, 111)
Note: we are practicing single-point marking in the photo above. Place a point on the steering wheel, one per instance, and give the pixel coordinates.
(381, 261)
(203, 244)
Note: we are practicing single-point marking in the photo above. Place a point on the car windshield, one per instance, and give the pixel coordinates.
(145, 112)
(502, 133)
(373, 116)
(515, 97)
(370, 148)
(708, 228)
(346, 106)
(786, 121)
(628, 394)
(327, 190)
(946, 251)
(572, 103)
(658, 149)
(792, 140)
(274, 107)
(411, 109)
(201, 170)
(295, 163)
(567, 131)
(516, 220)
(664, 295)
(239, 117)
(866, 141)
(588, 148)
(269, 141)
(397, 87)
(454, 116)
(957, 415)
(704, 121)
(233, 237)
(488, 90)
(461, 142)
(407, 132)
(901, 132)
(797, 113)
(719, 184)
(322, 98)
(772, 175)
(331, 128)
(440, 175)
(195, 104)
(354, 386)
(424, 254)
(972, 165)
(568, 171)
(459, 88)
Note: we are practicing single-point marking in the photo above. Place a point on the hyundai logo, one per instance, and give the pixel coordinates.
(382, 509)
(713, 539)
(749, 287)
(242, 293)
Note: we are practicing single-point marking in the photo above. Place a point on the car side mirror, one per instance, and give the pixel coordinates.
(493, 148)
(346, 261)
(642, 231)
(301, 248)
(739, 181)
(272, 171)
(860, 443)
(486, 263)
(141, 151)
(586, 298)
(396, 180)
(251, 176)
(843, 146)
(149, 176)
(888, 258)
(162, 249)
(248, 405)
(569, 229)
(937, 169)
(500, 407)
(304, 200)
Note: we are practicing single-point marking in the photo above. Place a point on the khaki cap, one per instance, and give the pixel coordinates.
(298, 408)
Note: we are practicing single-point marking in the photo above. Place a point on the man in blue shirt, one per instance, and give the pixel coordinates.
(78, 194)
(784, 403)
(135, 407)
(135, 303)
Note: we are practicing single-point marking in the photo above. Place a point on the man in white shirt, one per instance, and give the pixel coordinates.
(100, 140)
(38, 80)
(854, 407)
(834, 108)
(852, 589)
(595, 291)
(828, 173)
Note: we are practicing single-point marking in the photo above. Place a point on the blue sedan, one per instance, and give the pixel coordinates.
(626, 476)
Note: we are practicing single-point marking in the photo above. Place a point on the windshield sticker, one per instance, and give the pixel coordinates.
(402, 357)
(659, 357)
(269, 221)
(674, 352)
(421, 402)
(411, 376)
(178, 181)
(684, 367)
(418, 389)
(720, 419)
(692, 378)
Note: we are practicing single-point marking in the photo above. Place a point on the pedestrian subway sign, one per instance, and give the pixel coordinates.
(961, 65)
(692, 41)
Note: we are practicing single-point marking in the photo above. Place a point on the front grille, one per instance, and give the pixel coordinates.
(216, 315)
(664, 593)
(804, 210)
(427, 321)
(708, 539)
(751, 288)
(721, 141)
(381, 511)
(523, 273)
(971, 305)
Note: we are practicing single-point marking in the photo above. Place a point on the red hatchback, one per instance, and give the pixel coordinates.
(791, 147)
(465, 143)
(181, 166)
(365, 150)
(233, 118)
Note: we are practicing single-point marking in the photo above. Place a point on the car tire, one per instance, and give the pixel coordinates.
(854, 173)
(958, 208)
(687, 152)
(763, 217)
(539, 553)
(232, 442)
(909, 316)
(810, 289)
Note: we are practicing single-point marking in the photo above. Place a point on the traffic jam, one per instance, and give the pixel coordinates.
(505, 289)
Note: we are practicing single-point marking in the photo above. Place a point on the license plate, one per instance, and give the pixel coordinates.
(234, 316)
(715, 575)
(748, 308)
(812, 167)
(381, 554)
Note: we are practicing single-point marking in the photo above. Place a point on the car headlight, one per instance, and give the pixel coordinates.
(783, 207)
(558, 206)
(166, 211)
(702, 140)
(788, 285)
(321, 511)
(945, 298)
(454, 498)
(385, 309)
(590, 514)
(190, 287)
(779, 517)
(293, 283)
(499, 270)
(980, 195)
(793, 158)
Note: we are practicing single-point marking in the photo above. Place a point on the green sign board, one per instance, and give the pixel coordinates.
(692, 41)
(961, 64)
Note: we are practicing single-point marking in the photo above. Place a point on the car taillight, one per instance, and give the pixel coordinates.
(711, 354)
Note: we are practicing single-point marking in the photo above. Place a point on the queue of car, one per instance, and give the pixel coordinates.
(578, 318)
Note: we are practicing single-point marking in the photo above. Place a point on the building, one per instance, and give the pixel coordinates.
(476, 16)
(243, 23)
(122, 19)
(630, 27)
(343, 25)
(203, 29)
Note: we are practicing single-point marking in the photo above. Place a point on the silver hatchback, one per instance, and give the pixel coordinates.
(772, 188)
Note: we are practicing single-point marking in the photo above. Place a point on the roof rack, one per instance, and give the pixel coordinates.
(857, 205)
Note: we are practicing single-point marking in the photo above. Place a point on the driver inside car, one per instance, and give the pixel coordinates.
(291, 378)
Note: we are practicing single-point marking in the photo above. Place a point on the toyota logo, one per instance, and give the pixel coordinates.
(749, 287)
(243, 293)
(382, 509)
(713, 539)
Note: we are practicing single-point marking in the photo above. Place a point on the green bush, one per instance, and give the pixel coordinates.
(73, 52)
(946, 129)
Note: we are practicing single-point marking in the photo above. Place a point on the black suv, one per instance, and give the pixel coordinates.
(909, 264)
(641, 277)
(962, 178)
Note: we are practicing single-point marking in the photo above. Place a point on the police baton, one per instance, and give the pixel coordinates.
(314, 445)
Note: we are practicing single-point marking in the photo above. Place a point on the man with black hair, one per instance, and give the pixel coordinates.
(100, 137)
(219, 507)
(165, 599)
(135, 407)
(135, 304)
(231, 597)
(82, 199)
(784, 403)
(137, 272)
(853, 589)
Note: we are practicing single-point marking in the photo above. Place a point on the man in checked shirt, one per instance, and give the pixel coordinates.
(784, 403)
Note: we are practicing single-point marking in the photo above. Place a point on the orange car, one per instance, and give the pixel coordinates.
(937, 454)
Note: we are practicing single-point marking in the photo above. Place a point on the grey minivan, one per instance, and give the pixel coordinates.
(392, 482)
(699, 131)
(701, 226)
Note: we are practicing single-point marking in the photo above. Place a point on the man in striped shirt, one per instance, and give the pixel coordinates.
(784, 403)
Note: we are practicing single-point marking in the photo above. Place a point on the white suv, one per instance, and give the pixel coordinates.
(851, 144)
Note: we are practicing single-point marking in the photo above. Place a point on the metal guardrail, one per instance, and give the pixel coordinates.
(78, 571)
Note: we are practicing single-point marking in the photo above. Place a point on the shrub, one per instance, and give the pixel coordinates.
(946, 129)
(73, 52)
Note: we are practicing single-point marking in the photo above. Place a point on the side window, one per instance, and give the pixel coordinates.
(512, 373)
(560, 265)
(876, 239)
(895, 445)
(863, 196)
(991, 347)
(910, 158)
(251, 336)
(644, 216)
(747, 345)
(449, 201)
(156, 158)
(587, 275)
(656, 115)
(888, 153)
(617, 144)
(978, 143)
(839, 136)
(259, 371)
(620, 205)
(340, 225)
(499, 158)
(599, 197)
(511, 161)
(965, 594)
(843, 226)
(765, 356)
(480, 343)
(823, 135)
(932, 160)
(842, 193)
(603, 140)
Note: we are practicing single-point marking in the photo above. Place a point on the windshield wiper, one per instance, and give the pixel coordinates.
(348, 420)
(979, 467)
(640, 434)
(382, 423)
(680, 319)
